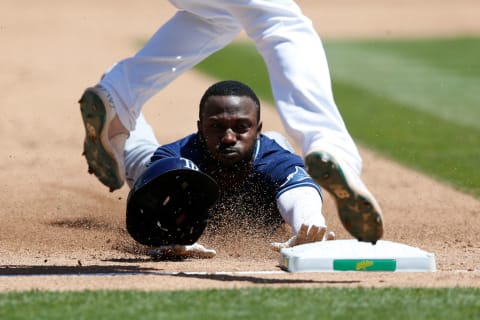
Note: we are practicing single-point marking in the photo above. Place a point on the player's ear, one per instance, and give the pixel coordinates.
(259, 128)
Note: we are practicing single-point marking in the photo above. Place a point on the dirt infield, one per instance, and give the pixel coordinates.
(62, 230)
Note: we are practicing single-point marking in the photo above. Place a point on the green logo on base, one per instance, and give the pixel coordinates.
(365, 265)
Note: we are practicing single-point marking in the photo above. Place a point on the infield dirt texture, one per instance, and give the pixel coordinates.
(60, 226)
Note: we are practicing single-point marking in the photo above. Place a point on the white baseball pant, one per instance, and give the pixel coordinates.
(285, 38)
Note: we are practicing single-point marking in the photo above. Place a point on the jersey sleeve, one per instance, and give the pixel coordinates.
(298, 177)
(179, 149)
(166, 151)
(284, 167)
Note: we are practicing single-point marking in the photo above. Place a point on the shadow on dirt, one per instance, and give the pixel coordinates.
(25, 270)
(122, 270)
(260, 279)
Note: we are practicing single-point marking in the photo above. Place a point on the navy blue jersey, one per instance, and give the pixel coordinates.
(251, 196)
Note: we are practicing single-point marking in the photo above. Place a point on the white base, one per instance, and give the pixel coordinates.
(353, 255)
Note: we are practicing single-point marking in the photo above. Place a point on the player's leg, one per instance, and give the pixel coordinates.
(110, 108)
(301, 86)
(139, 148)
(181, 43)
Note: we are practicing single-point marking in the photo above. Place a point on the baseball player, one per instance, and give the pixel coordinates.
(299, 78)
(260, 180)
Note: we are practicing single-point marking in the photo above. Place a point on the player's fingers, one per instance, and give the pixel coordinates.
(312, 233)
(302, 234)
(319, 234)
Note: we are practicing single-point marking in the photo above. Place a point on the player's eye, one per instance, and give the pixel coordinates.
(214, 125)
(242, 127)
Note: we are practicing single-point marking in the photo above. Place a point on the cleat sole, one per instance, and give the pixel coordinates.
(99, 155)
(357, 211)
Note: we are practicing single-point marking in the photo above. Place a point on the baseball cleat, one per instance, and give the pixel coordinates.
(359, 212)
(104, 154)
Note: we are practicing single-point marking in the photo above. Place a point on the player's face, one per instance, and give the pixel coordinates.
(230, 128)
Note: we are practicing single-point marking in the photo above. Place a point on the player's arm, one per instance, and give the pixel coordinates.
(301, 208)
(299, 201)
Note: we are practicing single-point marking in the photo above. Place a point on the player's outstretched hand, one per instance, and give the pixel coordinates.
(177, 251)
(306, 234)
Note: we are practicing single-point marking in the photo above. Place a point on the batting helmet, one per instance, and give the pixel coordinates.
(169, 203)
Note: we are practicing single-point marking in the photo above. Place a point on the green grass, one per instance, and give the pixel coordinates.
(259, 303)
(415, 101)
